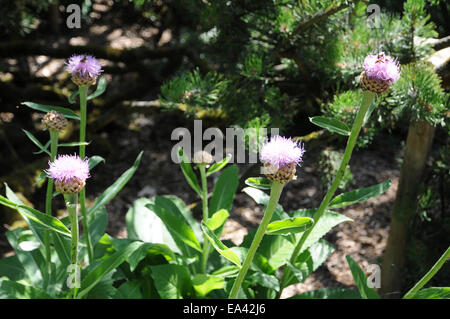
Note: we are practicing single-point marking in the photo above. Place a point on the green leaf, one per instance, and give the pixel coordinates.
(172, 281)
(188, 172)
(224, 190)
(227, 271)
(359, 195)
(13, 290)
(44, 149)
(101, 87)
(72, 96)
(433, 293)
(217, 219)
(289, 226)
(329, 293)
(258, 182)
(31, 214)
(105, 266)
(204, 284)
(220, 247)
(265, 280)
(36, 142)
(309, 260)
(12, 268)
(152, 250)
(115, 188)
(95, 160)
(331, 124)
(68, 113)
(175, 224)
(328, 220)
(97, 223)
(129, 290)
(361, 280)
(218, 166)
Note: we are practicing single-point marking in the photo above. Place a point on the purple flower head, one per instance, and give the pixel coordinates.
(381, 68)
(67, 168)
(281, 151)
(84, 67)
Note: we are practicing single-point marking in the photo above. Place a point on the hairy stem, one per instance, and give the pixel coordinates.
(71, 203)
(206, 245)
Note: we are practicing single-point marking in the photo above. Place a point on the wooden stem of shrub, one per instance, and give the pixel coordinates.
(418, 144)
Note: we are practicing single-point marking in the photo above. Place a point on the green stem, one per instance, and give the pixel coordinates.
(275, 192)
(71, 203)
(428, 275)
(83, 110)
(367, 100)
(206, 245)
(49, 196)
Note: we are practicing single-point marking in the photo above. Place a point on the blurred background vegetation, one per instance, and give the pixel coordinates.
(243, 63)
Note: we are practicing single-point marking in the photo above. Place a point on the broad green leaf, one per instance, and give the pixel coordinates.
(72, 96)
(276, 249)
(359, 195)
(258, 182)
(94, 161)
(227, 271)
(129, 290)
(309, 260)
(188, 172)
(47, 108)
(175, 225)
(32, 262)
(97, 223)
(115, 188)
(218, 166)
(36, 142)
(217, 219)
(328, 220)
(289, 226)
(172, 281)
(331, 124)
(265, 280)
(263, 199)
(204, 284)
(329, 293)
(224, 190)
(152, 250)
(14, 290)
(220, 247)
(433, 293)
(12, 268)
(361, 280)
(101, 87)
(105, 266)
(31, 214)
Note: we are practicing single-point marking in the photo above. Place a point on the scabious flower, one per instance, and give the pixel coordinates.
(84, 68)
(54, 120)
(380, 71)
(280, 156)
(69, 173)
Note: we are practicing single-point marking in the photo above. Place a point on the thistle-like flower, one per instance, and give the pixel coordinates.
(202, 157)
(380, 71)
(54, 120)
(85, 69)
(69, 173)
(280, 156)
